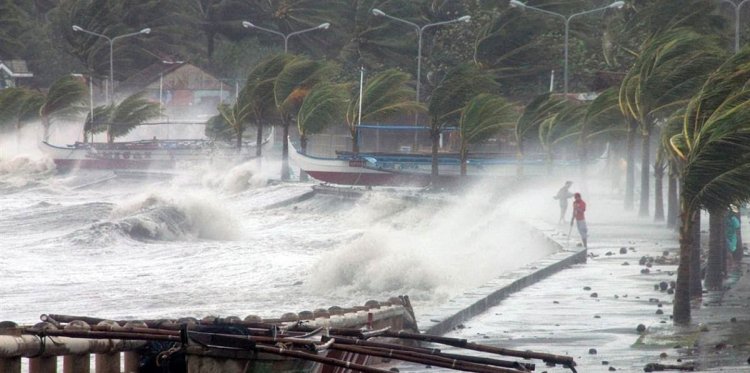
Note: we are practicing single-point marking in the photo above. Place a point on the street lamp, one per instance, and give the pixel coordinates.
(518, 4)
(737, 8)
(322, 26)
(420, 30)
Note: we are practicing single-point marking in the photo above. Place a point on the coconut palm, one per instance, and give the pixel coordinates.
(63, 101)
(714, 150)
(19, 106)
(670, 69)
(324, 106)
(383, 96)
(534, 115)
(131, 112)
(459, 86)
(562, 128)
(100, 121)
(603, 125)
(290, 87)
(483, 116)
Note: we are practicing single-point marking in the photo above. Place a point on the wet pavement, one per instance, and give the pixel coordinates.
(613, 312)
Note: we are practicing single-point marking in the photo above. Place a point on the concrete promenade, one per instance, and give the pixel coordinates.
(592, 311)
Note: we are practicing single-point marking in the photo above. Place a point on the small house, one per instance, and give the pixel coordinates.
(11, 71)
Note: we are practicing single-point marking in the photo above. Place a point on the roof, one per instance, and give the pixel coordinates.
(15, 68)
(151, 74)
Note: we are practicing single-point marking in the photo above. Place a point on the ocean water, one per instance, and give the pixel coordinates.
(213, 240)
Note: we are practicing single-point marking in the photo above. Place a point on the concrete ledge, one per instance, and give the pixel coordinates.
(287, 202)
(492, 293)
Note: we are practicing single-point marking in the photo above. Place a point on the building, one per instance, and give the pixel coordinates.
(185, 91)
(11, 71)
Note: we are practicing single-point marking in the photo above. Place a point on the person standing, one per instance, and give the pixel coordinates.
(562, 196)
(579, 210)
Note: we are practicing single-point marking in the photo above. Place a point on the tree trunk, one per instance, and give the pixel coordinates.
(739, 251)
(630, 171)
(435, 135)
(240, 131)
(645, 172)
(259, 140)
(681, 305)
(285, 148)
(714, 267)
(696, 275)
(659, 191)
(464, 154)
(303, 150)
(672, 207)
(355, 142)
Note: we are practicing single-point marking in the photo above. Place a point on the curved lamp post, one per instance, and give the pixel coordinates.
(420, 30)
(111, 52)
(518, 4)
(737, 8)
(322, 26)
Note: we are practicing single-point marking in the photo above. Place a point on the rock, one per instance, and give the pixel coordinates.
(594, 295)
(623, 250)
(597, 317)
(663, 355)
(663, 285)
(460, 326)
(555, 302)
(617, 296)
(625, 263)
(659, 305)
(605, 362)
(670, 291)
(609, 253)
(653, 300)
(611, 369)
(643, 260)
(733, 319)
(640, 328)
(703, 327)
(656, 286)
(587, 288)
(645, 271)
(659, 312)
(592, 351)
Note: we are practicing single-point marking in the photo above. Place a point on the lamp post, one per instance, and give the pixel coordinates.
(322, 26)
(737, 8)
(111, 52)
(518, 4)
(420, 31)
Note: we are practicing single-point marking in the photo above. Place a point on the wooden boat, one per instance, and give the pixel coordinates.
(145, 154)
(395, 169)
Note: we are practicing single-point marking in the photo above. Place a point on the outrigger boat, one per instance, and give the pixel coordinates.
(145, 154)
(369, 339)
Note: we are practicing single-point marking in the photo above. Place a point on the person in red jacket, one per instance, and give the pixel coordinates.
(579, 210)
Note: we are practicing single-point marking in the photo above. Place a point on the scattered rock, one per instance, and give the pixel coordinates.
(665, 253)
(645, 271)
(640, 328)
(460, 326)
(609, 253)
(297, 283)
(670, 291)
(659, 312)
(587, 288)
(555, 302)
(617, 296)
(592, 351)
(656, 286)
(631, 248)
(594, 295)
(733, 319)
(611, 369)
(597, 317)
(653, 300)
(643, 260)
(605, 362)
(663, 355)
(663, 285)
(659, 305)
(623, 250)
(625, 263)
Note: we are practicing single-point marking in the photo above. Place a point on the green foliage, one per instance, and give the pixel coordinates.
(483, 116)
(64, 100)
(562, 128)
(100, 120)
(296, 79)
(131, 113)
(383, 96)
(323, 106)
(19, 106)
(604, 120)
(534, 115)
(460, 85)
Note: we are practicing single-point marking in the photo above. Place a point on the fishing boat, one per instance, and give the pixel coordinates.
(395, 169)
(145, 154)
(369, 338)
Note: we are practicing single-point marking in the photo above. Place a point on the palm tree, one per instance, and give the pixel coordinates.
(459, 86)
(482, 117)
(671, 68)
(325, 105)
(290, 87)
(560, 128)
(63, 101)
(383, 96)
(130, 113)
(257, 94)
(603, 125)
(714, 151)
(18, 106)
(529, 123)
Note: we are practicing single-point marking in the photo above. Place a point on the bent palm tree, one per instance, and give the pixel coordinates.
(63, 101)
(529, 123)
(383, 96)
(714, 151)
(483, 116)
(324, 106)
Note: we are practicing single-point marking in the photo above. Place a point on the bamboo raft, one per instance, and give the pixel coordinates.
(361, 339)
